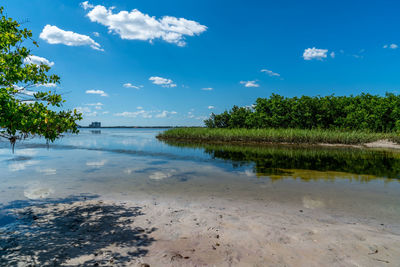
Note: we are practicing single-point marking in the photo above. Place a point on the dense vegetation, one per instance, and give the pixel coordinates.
(362, 112)
(25, 109)
(271, 135)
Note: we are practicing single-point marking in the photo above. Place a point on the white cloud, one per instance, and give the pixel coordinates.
(96, 92)
(210, 107)
(165, 114)
(96, 34)
(32, 59)
(139, 107)
(315, 53)
(202, 118)
(271, 73)
(135, 25)
(55, 35)
(106, 112)
(86, 5)
(147, 114)
(332, 54)
(24, 91)
(86, 111)
(47, 85)
(162, 81)
(129, 85)
(250, 83)
(391, 46)
(142, 113)
(207, 89)
(95, 104)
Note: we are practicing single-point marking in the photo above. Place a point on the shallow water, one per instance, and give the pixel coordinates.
(131, 163)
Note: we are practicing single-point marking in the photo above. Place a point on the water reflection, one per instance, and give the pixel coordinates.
(95, 131)
(306, 162)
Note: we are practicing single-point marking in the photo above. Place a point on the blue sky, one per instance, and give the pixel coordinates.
(151, 62)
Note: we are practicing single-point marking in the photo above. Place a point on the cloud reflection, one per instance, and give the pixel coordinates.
(96, 164)
(19, 166)
(47, 171)
(159, 175)
(38, 191)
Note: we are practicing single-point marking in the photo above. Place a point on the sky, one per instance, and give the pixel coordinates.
(172, 63)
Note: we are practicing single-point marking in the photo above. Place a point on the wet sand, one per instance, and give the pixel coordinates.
(161, 231)
(124, 199)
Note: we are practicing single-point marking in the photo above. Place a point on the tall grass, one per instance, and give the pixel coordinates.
(297, 136)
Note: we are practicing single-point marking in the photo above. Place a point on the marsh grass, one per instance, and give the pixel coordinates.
(295, 136)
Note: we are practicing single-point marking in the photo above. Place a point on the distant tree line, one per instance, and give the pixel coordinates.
(362, 112)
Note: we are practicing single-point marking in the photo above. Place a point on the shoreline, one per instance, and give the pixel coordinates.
(272, 136)
(381, 144)
(203, 232)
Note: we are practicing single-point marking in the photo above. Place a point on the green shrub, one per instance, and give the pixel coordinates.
(364, 112)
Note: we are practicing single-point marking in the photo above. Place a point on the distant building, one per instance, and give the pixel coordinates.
(95, 124)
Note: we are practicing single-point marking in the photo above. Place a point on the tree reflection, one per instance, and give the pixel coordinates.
(305, 161)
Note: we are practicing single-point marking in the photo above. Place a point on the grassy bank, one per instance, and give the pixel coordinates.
(296, 136)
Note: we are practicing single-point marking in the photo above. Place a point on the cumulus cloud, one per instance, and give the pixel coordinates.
(24, 91)
(135, 25)
(32, 59)
(162, 81)
(202, 118)
(207, 89)
(55, 35)
(210, 107)
(129, 85)
(86, 5)
(96, 92)
(95, 104)
(271, 73)
(47, 85)
(140, 113)
(147, 114)
(165, 114)
(86, 111)
(315, 53)
(250, 83)
(391, 46)
(190, 115)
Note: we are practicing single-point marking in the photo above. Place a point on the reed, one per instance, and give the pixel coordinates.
(271, 135)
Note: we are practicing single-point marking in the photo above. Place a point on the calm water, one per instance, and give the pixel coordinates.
(131, 163)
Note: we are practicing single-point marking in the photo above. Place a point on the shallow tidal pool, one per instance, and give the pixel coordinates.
(123, 164)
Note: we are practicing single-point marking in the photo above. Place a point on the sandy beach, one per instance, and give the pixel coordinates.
(129, 204)
(205, 232)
